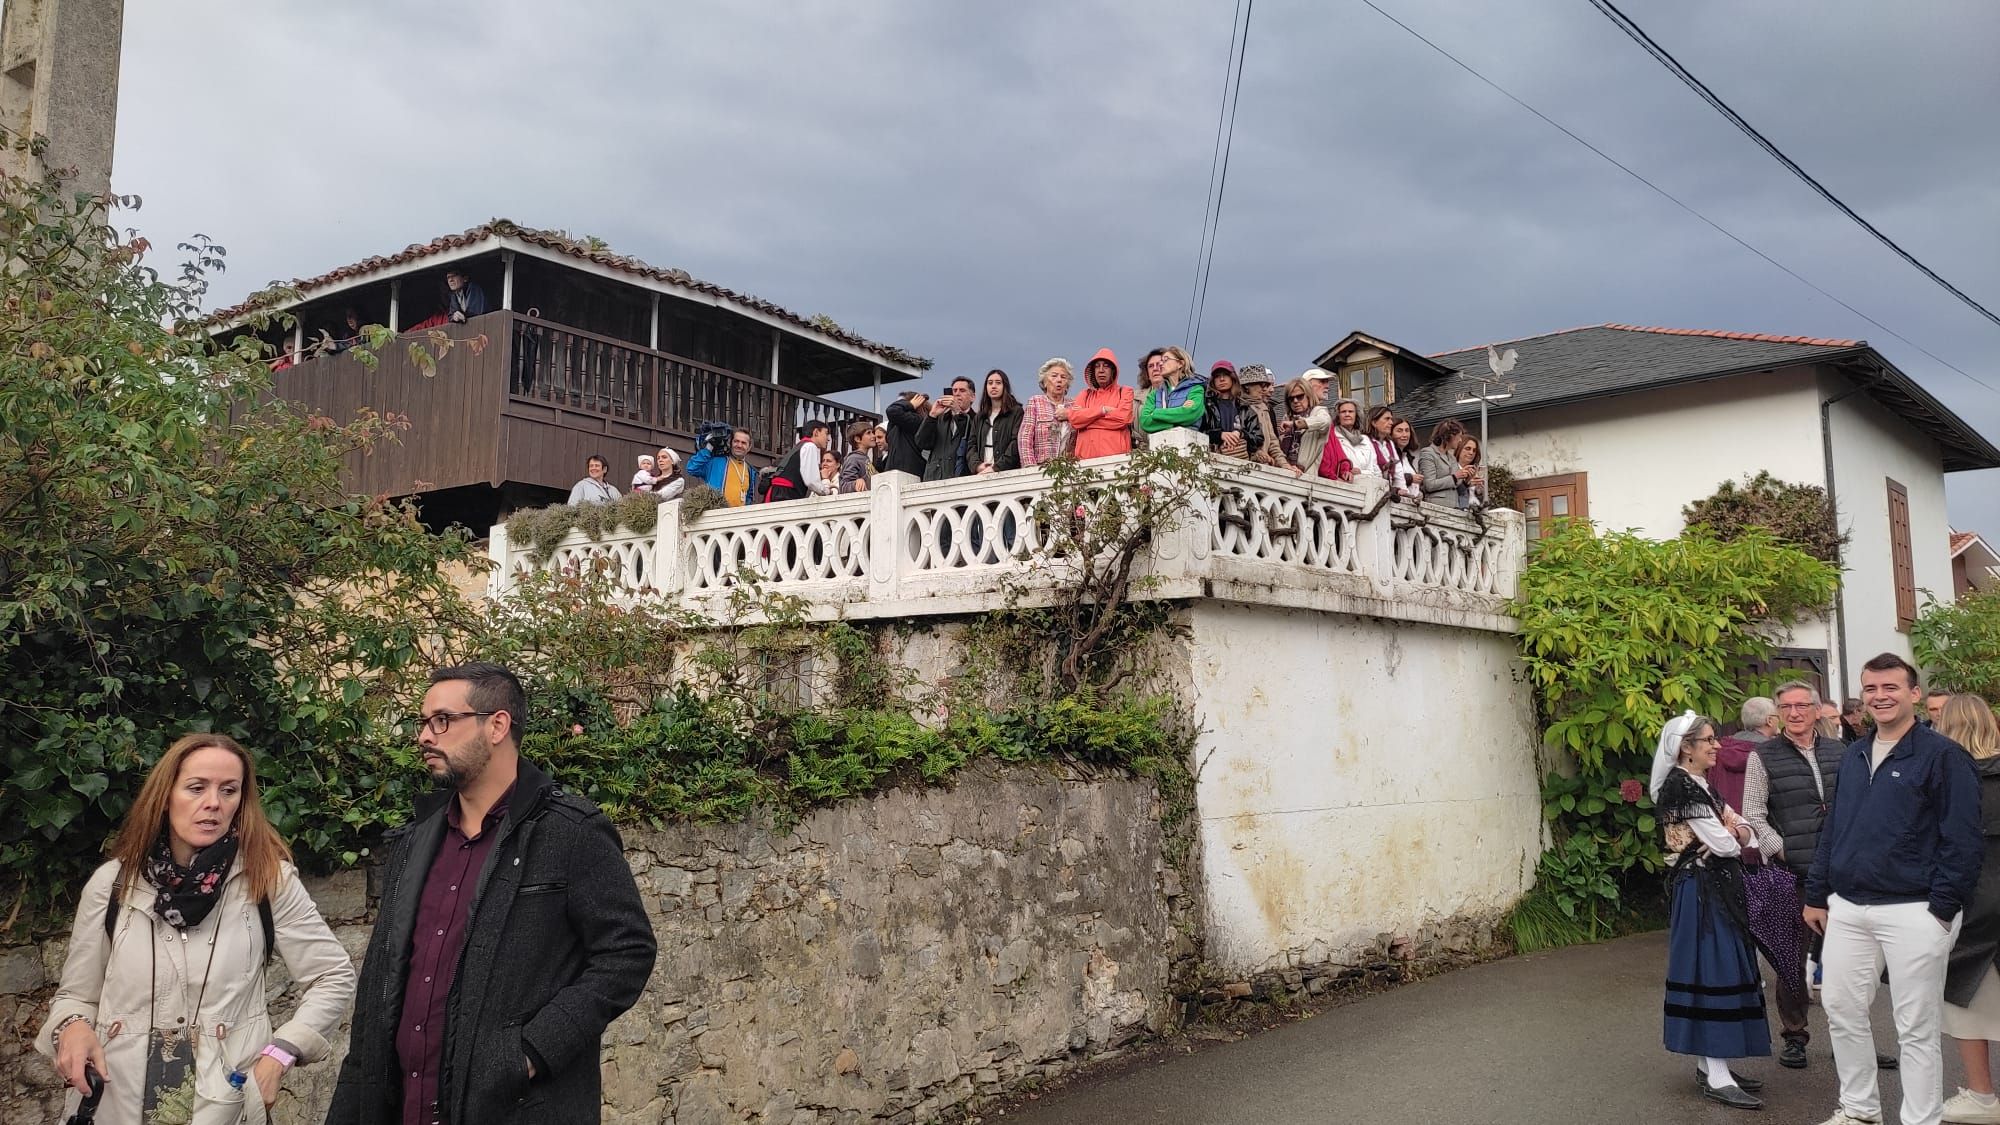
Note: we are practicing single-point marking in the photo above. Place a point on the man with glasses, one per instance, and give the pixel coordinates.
(511, 934)
(1788, 786)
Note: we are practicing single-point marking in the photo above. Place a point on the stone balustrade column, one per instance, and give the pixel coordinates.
(1511, 528)
(668, 572)
(886, 557)
(1181, 552)
(1375, 540)
(500, 577)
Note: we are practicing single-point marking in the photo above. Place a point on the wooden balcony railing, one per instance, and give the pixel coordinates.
(576, 370)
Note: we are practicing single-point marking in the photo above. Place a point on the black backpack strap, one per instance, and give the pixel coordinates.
(111, 908)
(270, 927)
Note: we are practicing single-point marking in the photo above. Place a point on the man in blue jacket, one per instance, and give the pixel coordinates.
(1894, 869)
(727, 470)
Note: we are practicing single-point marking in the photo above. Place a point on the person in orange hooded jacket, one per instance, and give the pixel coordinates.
(1102, 415)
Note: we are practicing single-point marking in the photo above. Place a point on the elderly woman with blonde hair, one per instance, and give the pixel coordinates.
(163, 992)
(1971, 982)
(1045, 432)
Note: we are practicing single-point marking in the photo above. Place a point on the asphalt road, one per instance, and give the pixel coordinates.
(1570, 1037)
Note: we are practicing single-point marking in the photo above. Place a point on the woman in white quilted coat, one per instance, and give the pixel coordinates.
(163, 991)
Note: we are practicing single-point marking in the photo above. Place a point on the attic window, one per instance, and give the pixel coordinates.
(1368, 383)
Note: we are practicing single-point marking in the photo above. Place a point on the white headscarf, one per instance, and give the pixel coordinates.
(1668, 755)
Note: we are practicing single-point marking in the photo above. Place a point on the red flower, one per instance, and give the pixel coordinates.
(1631, 789)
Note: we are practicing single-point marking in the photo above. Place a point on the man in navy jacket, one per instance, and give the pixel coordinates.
(1895, 867)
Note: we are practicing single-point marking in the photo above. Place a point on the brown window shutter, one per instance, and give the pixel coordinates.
(1899, 552)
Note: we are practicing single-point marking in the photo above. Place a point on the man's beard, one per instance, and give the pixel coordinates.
(461, 774)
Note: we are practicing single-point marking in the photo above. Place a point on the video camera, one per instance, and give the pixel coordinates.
(714, 437)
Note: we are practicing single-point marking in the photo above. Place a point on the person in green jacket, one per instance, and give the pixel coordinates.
(1178, 399)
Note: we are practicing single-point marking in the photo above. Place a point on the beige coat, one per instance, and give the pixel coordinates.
(111, 983)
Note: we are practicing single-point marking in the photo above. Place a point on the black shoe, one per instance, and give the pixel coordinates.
(1887, 1062)
(1732, 1096)
(1743, 1081)
(1793, 1055)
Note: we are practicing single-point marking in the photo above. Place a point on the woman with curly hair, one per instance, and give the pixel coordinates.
(1714, 1002)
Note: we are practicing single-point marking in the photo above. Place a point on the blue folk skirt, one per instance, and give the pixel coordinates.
(1715, 1002)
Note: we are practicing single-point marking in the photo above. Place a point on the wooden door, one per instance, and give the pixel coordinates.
(1543, 500)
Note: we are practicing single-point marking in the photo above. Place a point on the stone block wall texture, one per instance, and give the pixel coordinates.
(885, 961)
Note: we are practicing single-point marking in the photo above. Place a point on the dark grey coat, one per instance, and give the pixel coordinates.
(1978, 946)
(557, 947)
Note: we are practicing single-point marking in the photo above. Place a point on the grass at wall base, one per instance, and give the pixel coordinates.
(1619, 633)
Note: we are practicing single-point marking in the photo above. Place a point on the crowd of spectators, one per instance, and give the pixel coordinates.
(976, 427)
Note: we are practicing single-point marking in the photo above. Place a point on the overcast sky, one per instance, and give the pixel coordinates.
(994, 184)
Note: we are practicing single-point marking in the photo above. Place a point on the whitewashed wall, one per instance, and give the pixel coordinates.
(1870, 446)
(1651, 453)
(1359, 777)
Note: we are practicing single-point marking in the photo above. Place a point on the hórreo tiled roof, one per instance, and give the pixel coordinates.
(561, 243)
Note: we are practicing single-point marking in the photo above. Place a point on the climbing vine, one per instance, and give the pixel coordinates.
(1618, 634)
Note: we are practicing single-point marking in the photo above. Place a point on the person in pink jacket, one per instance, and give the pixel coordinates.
(1102, 415)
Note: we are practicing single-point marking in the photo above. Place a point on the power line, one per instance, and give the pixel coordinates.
(1675, 200)
(1242, 43)
(1214, 164)
(1639, 36)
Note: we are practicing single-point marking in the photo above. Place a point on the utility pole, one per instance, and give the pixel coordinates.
(59, 82)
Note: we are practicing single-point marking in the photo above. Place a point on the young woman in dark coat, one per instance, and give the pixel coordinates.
(992, 445)
(1972, 982)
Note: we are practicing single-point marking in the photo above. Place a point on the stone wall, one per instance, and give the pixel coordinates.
(888, 959)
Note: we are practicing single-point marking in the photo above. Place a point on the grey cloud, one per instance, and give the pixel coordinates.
(996, 184)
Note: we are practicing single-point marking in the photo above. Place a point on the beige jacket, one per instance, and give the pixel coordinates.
(112, 983)
(1312, 438)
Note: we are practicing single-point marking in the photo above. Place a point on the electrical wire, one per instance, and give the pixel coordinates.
(1242, 43)
(1675, 200)
(1639, 36)
(1214, 165)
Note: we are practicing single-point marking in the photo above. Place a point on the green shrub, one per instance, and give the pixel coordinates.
(1798, 514)
(1618, 634)
(1958, 644)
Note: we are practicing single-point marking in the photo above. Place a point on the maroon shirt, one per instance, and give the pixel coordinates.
(442, 913)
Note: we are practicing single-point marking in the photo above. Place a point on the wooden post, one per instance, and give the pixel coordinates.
(653, 339)
(875, 389)
(777, 337)
(298, 340)
(395, 298)
(507, 282)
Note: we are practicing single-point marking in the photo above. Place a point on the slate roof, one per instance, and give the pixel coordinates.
(1601, 360)
(563, 245)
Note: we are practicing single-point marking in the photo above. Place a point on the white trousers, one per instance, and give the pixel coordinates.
(1914, 945)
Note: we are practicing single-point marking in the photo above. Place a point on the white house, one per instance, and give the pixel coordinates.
(1975, 568)
(1627, 425)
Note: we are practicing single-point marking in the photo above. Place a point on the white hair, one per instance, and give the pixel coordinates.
(1042, 373)
(1757, 710)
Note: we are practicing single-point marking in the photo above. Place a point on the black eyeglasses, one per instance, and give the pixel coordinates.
(440, 721)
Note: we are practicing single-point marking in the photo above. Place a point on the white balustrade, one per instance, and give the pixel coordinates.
(908, 547)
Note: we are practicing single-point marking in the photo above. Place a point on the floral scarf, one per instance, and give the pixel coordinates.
(188, 893)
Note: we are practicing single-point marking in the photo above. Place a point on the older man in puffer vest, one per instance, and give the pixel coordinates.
(1788, 786)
